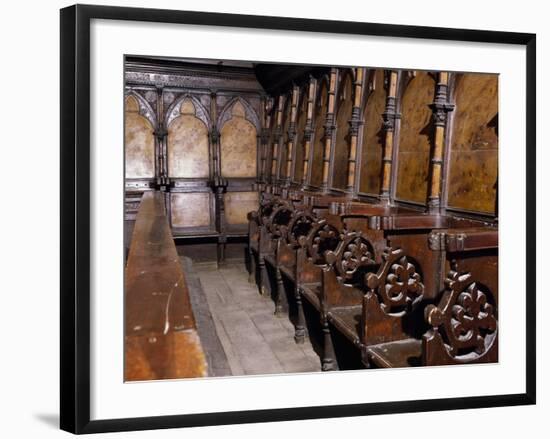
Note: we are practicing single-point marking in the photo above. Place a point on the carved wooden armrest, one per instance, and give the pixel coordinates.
(351, 208)
(353, 255)
(409, 222)
(397, 284)
(464, 239)
(252, 216)
(300, 224)
(463, 324)
(323, 236)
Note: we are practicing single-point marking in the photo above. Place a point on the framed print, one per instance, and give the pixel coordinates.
(269, 219)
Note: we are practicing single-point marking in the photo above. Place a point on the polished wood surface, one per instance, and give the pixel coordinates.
(415, 139)
(343, 144)
(373, 136)
(161, 340)
(318, 146)
(474, 145)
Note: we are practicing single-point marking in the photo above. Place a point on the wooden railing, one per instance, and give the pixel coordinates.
(161, 340)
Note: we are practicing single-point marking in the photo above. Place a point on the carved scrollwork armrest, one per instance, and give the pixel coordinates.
(397, 283)
(280, 216)
(464, 318)
(300, 225)
(252, 216)
(322, 237)
(353, 254)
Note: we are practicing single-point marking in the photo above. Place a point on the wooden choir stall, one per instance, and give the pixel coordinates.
(366, 199)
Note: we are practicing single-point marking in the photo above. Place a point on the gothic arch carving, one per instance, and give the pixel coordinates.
(174, 110)
(139, 138)
(145, 108)
(188, 146)
(249, 113)
(239, 127)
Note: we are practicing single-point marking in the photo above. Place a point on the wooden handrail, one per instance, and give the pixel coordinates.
(161, 339)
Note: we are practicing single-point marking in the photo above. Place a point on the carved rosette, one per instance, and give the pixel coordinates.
(353, 255)
(397, 284)
(300, 225)
(278, 221)
(322, 238)
(464, 318)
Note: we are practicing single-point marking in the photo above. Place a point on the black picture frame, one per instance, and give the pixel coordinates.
(75, 217)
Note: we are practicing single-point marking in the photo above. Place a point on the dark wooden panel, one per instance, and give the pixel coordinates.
(415, 138)
(372, 149)
(474, 146)
(161, 340)
(342, 146)
(319, 130)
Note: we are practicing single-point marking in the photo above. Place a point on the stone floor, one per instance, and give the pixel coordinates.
(254, 340)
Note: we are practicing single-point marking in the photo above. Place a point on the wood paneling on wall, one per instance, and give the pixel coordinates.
(188, 147)
(373, 136)
(474, 145)
(300, 138)
(190, 209)
(319, 130)
(238, 145)
(139, 142)
(415, 138)
(343, 117)
(238, 204)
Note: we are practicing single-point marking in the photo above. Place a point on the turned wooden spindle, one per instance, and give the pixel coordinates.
(389, 125)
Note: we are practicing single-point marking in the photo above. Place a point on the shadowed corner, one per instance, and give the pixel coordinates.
(49, 419)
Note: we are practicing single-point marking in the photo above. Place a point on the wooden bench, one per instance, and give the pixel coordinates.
(161, 340)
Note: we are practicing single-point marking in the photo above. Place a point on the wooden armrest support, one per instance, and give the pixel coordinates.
(464, 239)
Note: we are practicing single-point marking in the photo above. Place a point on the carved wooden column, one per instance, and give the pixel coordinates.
(214, 138)
(308, 131)
(440, 108)
(217, 182)
(354, 125)
(276, 141)
(160, 135)
(291, 136)
(329, 129)
(389, 115)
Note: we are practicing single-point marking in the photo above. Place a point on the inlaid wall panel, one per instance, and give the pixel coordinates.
(139, 142)
(188, 145)
(300, 139)
(372, 149)
(284, 138)
(415, 139)
(190, 209)
(319, 129)
(342, 146)
(473, 170)
(270, 147)
(238, 204)
(238, 144)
